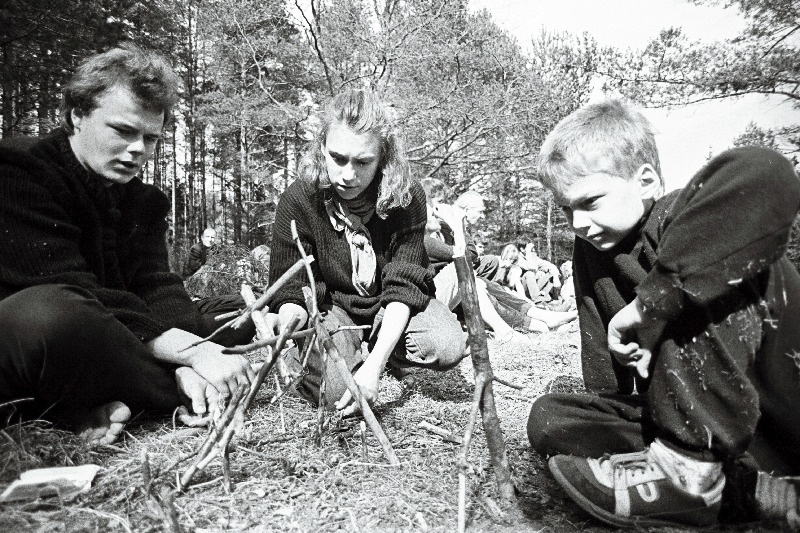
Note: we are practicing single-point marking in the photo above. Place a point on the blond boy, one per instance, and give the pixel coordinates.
(688, 312)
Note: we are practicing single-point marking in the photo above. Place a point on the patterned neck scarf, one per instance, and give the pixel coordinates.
(350, 217)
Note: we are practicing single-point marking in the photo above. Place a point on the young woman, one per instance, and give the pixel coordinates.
(362, 217)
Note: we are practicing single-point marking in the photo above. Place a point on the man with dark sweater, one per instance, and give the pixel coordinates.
(92, 323)
(198, 253)
(688, 312)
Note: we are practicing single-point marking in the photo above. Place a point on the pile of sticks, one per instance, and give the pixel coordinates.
(232, 418)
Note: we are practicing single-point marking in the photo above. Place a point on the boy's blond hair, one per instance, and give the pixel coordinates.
(609, 136)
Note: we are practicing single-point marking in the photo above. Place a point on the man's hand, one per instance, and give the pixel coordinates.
(632, 337)
(368, 379)
(226, 372)
(195, 390)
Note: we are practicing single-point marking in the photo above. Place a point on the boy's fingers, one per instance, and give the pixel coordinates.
(620, 349)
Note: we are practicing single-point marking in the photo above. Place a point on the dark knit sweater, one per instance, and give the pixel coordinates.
(62, 225)
(198, 254)
(402, 264)
(731, 222)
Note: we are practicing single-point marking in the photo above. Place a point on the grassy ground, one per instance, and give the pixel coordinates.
(283, 482)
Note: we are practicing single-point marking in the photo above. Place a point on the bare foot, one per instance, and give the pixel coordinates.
(553, 319)
(537, 326)
(103, 424)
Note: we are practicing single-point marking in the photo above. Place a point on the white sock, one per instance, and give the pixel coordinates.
(777, 497)
(692, 475)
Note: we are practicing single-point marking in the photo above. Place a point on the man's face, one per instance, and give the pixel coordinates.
(209, 239)
(601, 208)
(474, 212)
(352, 159)
(116, 138)
(479, 247)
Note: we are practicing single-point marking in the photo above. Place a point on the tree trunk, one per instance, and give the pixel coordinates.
(550, 228)
(8, 84)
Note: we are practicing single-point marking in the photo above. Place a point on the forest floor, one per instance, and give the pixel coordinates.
(283, 482)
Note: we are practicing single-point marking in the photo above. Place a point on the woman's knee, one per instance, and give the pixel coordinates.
(434, 338)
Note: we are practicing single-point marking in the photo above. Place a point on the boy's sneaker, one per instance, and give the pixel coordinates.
(778, 498)
(632, 490)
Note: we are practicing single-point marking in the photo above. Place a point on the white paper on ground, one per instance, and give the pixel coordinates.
(63, 481)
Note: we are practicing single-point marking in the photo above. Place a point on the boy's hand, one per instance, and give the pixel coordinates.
(368, 379)
(632, 337)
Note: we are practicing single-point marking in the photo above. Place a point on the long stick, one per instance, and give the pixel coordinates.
(483, 367)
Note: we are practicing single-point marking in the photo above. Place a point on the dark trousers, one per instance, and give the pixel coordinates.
(433, 339)
(725, 380)
(60, 346)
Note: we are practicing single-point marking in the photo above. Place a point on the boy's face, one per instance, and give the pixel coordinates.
(603, 209)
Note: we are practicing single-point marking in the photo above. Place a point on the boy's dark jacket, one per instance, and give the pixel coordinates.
(61, 225)
(731, 222)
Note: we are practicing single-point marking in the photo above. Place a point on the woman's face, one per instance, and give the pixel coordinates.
(351, 158)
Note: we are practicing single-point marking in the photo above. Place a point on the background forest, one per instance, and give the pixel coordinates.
(473, 104)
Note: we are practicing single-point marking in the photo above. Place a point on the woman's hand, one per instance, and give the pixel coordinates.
(368, 380)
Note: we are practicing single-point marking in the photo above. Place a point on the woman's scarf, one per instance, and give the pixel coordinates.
(350, 217)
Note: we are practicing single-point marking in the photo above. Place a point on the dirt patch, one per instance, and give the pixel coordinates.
(283, 482)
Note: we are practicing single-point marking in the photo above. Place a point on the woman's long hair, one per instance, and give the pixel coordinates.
(510, 253)
(364, 112)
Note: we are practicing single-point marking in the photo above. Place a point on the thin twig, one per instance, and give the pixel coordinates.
(261, 302)
(269, 341)
(213, 436)
(507, 383)
(327, 348)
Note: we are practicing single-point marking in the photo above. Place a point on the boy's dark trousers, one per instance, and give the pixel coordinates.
(60, 346)
(724, 381)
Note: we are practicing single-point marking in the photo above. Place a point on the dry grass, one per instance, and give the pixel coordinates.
(283, 482)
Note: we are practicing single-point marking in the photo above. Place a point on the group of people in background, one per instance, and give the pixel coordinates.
(689, 330)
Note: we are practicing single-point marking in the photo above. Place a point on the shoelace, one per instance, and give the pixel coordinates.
(633, 468)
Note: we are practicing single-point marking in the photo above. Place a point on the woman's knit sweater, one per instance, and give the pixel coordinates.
(60, 224)
(402, 264)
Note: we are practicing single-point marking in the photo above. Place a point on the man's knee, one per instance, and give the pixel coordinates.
(45, 311)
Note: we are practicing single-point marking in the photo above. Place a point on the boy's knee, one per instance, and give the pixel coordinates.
(542, 425)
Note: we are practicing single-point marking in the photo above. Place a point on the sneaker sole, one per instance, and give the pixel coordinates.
(609, 517)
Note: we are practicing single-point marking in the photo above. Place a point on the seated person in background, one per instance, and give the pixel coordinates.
(701, 320)
(198, 253)
(93, 325)
(540, 278)
(362, 216)
(567, 292)
(519, 313)
(446, 227)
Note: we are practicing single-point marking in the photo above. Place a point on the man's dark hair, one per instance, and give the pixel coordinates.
(147, 74)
